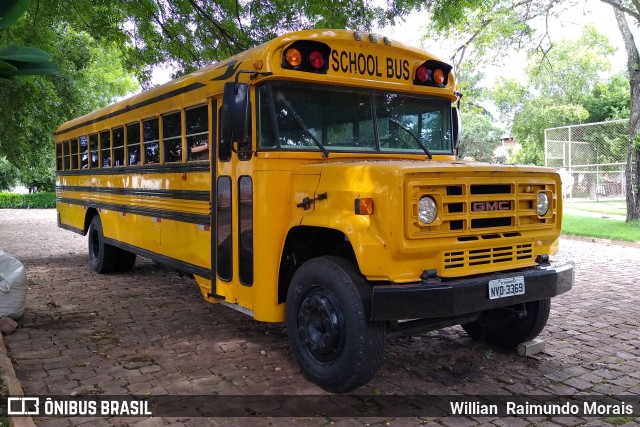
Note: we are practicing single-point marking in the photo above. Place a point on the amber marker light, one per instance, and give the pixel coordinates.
(293, 57)
(364, 206)
(438, 76)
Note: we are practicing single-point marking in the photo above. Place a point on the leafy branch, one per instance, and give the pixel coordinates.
(19, 60)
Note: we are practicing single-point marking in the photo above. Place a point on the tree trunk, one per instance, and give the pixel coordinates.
(633, 159)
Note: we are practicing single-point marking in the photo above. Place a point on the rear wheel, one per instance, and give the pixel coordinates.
(103, 258)
(335, 344)
(510, 326)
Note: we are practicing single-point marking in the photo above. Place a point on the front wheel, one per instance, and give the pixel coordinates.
(510, 326)
(335, 344)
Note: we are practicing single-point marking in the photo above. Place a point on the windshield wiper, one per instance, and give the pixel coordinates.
(325, 152)
(406, 129)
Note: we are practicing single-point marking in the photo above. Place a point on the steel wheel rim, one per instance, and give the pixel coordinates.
(321, 325)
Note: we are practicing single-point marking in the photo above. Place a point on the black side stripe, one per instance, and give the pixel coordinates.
(167, 168)
(162, 97)
(157, 213)
(162, 259)
(165, 194)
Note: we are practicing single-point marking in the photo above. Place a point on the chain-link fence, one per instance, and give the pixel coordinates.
(591, 158)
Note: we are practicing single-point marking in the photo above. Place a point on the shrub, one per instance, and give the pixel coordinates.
(28, 201)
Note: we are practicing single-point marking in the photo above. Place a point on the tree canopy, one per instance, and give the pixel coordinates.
(90, 76)
(189, 34)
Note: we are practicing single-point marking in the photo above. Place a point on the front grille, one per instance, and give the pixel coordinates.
(485, 256)
(480, 205)
(490, 189)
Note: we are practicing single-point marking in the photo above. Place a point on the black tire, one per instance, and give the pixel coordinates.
(335, 344)
(103, 258)
(503, 327)
(126, 261)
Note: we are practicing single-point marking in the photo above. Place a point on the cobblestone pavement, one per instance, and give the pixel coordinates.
(150, 332)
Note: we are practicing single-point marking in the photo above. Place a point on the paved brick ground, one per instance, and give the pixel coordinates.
(150, 332)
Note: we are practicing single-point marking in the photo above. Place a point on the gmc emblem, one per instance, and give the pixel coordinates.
(490, 206)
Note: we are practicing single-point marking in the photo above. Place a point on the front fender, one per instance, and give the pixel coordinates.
(368, 246)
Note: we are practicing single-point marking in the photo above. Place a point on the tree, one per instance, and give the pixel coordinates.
(509, 95)
(479, 137)
(536, 116)
(8, 175)
(622, 11)
(609, 99)
(90, 77)
(489, 29)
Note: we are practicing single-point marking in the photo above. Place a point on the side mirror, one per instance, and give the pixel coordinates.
(456, 127)
(234, 118)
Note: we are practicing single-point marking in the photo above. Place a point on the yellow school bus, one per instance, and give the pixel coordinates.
(313, 180)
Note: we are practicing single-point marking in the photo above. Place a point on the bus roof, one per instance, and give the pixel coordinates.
(353, 57)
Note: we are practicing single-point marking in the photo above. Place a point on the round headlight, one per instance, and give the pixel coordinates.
(543, 204)
(427, 210)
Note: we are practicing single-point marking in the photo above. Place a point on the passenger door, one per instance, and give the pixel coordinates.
(232, 241)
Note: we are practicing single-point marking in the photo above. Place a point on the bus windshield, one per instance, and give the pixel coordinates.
(314, 117)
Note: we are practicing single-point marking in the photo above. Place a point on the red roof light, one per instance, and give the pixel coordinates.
(422, 73)
(316, 60)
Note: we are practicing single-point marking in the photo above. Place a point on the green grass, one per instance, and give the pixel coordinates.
(601, 228)
(27, 201)
(610, 207)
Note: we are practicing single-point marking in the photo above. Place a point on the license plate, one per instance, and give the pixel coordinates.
(502, 288)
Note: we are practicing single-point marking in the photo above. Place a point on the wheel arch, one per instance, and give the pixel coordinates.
(306, 242)
(88, 217)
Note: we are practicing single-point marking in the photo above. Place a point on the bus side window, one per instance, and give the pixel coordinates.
(197, 133)
(223, 217)
(74, 153)
(66, 155)
(118, 146)
(266, 120)
(151, 138)
(59, 156)
(94, 150)
(224, 147)
(133, 143)
(245, 225)
(172, 137)
(105, 148)
(84, 152)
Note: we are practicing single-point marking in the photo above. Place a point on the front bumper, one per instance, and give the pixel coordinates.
(469, 295)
